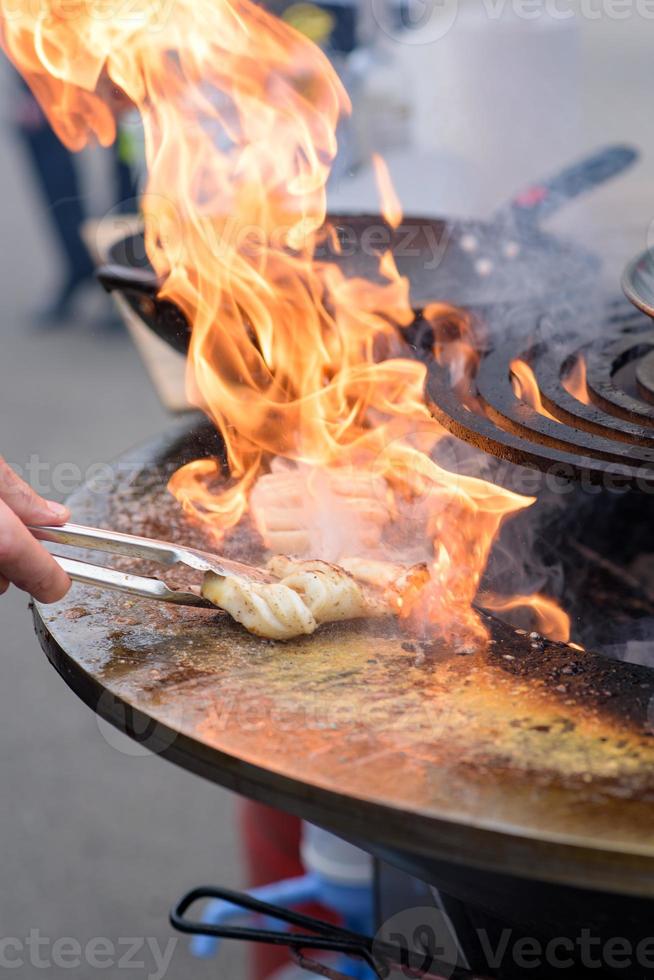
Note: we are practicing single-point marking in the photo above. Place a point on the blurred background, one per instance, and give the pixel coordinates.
(98, 841)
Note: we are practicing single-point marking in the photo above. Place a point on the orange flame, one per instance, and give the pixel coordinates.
(575, 380)
(456, 346)
(525, 387)
(549, 618)
(391, 208)
(292, 360)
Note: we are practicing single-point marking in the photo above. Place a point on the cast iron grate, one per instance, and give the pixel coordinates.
(607, 436)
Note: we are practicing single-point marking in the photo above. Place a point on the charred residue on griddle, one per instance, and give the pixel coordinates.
(177, 676)
(617, 691)
(344, 675)
(76, 612)
(433, 652)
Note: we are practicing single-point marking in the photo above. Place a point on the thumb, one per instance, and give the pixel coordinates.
(25, 502)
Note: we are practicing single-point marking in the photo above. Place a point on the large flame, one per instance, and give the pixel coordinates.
(293, 361)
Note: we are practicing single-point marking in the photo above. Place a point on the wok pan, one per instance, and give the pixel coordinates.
(493, 267)
(638, 282)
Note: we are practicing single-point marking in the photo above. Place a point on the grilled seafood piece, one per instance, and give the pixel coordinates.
(272, 610)
(309, 593)
(330, 592)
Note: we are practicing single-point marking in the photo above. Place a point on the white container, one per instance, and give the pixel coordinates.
(334, 859)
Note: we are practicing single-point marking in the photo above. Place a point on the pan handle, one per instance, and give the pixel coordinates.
(118, 278)
(538, 201)
(141, 288)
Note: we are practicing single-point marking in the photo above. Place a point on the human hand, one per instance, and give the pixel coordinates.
(23, 561)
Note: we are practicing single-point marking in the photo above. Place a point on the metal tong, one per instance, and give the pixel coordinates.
(148, 549)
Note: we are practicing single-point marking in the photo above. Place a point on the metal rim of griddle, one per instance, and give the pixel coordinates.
(506, 850)
(608, 442)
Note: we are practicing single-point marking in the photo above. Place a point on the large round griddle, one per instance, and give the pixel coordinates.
(532, 759)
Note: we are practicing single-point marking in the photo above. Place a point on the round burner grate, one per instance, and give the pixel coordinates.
(599, 428)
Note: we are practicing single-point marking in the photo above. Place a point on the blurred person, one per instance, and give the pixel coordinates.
(24, 562)
(56, 171)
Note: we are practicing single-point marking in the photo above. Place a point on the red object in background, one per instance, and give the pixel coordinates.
(271, 844)
(532, 196)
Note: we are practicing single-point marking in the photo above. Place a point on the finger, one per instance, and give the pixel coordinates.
(26, 563)
(25, 502)
(4, 584)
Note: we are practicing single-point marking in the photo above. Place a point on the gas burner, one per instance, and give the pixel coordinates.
(599, 428)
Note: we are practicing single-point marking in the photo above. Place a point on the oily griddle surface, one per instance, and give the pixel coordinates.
(529, 756)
